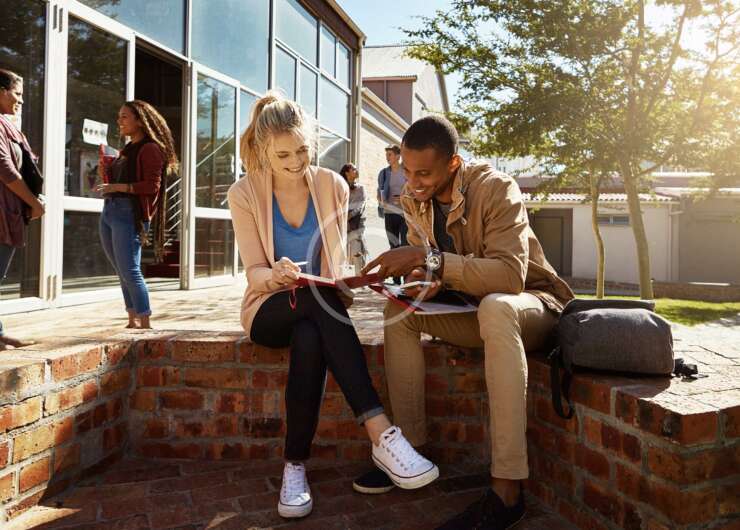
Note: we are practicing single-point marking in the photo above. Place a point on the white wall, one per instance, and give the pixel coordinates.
(619, 243)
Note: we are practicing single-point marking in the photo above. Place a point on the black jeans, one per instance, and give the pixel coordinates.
(396, 229)
(317, 340)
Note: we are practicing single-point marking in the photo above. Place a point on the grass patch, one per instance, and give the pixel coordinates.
(687, 312)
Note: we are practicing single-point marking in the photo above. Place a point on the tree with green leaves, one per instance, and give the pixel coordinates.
(592, 88)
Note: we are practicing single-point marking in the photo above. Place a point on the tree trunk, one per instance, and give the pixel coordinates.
(601, 257)
(638, 230)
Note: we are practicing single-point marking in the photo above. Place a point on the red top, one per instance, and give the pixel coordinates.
(149, 167)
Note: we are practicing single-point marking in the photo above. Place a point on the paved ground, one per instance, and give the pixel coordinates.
(144, 494)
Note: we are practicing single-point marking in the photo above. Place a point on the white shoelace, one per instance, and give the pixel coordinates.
(401, 450)
(294, 480)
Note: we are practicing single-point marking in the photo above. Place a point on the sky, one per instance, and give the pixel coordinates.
(381, 21)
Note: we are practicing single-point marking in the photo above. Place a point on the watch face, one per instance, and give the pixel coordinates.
(433, 262)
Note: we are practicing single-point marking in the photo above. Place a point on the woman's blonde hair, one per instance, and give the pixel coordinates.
(273, 114)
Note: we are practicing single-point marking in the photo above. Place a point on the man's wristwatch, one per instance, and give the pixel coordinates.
(434, 260)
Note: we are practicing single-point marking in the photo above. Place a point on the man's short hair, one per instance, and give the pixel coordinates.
(432, 131)
(395, 148)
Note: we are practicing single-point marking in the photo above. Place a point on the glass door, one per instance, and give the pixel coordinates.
(100, 59)
(214, 159)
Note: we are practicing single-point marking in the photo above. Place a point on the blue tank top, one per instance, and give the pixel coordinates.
(293, 243)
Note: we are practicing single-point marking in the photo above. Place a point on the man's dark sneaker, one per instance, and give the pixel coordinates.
(373, 482)
(487, 513)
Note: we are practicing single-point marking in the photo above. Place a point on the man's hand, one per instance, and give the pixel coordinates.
(422, 293)
(397, 262)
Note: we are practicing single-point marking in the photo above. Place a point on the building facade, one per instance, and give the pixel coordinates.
(202, 63)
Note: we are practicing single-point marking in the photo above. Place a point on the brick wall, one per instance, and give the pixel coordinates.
(62, 416)
(640, 453)
(634, 456)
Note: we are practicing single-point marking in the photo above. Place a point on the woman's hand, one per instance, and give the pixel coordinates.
(38, 209)
(112, 188)
(285, 272)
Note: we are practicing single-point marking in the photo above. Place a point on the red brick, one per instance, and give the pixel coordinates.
(108, 411)
(680, 506)
(144, 400)
(592, 461)
(156, 428)
(114, 437)
(609, 437)
(731, 417)
(204, 350)
(593, 391)
(32, 442)
(602, 501)
(206, 427)
(181, 399)
(678, 418)
(157, 376)
(683, 467)
(334, 404)
(149, 350)
(464, 357)
(277, 379)
(64, 430)
(545, 412)
(352, 452)
(264, 427)
(578, 516)
(34, 474)
(469, 382)
(66, 456)
(4, 454)
(70, 397)
(21, 380)
(215, 377)
(24, 505)
(6, 487)
(538, 372)
(115, 381)
(728, 502)
(20, 414)
(165, 450)
(256, 355)
(436, 384)
(76, 364)
(116, 353)
(235, 402)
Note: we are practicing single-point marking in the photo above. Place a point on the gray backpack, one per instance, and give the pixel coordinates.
(614, 335)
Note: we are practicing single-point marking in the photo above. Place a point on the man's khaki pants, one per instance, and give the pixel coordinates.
(505, 326)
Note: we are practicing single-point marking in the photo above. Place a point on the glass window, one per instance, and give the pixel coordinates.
(232, 36)
(328, 52)
(22, 50)
(333, 151)
(147, 18)
(96, 89)
(215, 157)
(297, 28)
(85, 266)
(343, 65)
(334, 107)
(285, 73)
(308, 90)
(214, 247)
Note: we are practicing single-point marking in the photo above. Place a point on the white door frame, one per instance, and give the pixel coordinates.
(194, 212)
(71, 203)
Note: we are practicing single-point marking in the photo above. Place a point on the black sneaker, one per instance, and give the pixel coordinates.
(487, 513)
(373, 482)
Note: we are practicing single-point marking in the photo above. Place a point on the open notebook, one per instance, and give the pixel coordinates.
(446, 302)
(351, 282)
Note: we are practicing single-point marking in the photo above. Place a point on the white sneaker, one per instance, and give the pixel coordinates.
(295, 495)
(405, 467)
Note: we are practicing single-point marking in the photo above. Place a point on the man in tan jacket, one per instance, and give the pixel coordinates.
(468, 231)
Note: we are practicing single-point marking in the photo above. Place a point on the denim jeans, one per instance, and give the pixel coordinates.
(6, 256)
(122, 245)
(317, 340)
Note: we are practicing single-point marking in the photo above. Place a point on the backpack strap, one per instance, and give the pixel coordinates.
(687, 370)
(560, 389)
